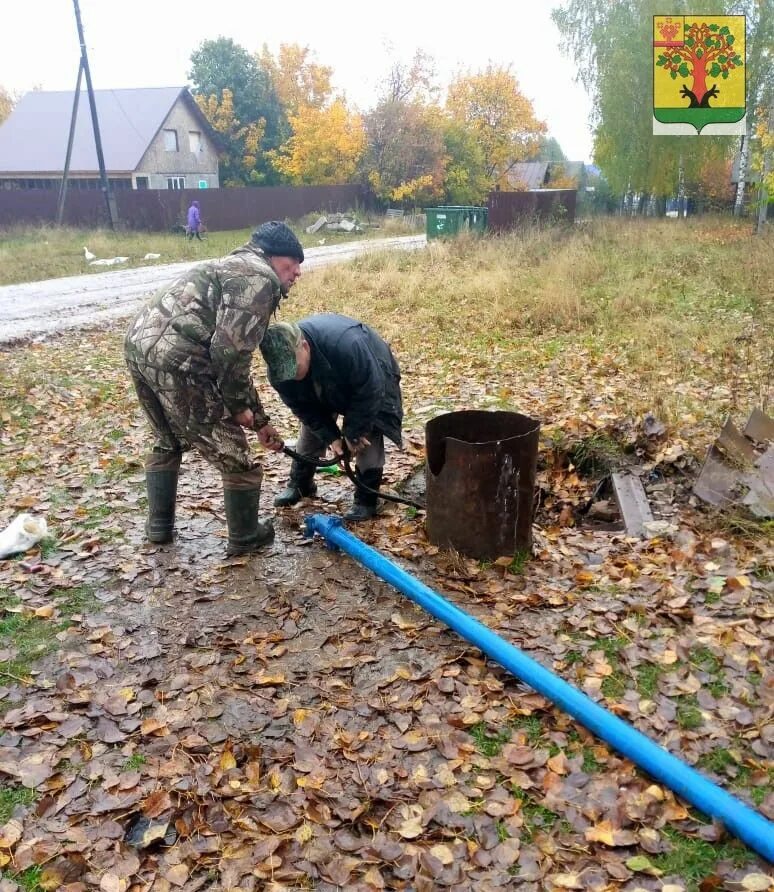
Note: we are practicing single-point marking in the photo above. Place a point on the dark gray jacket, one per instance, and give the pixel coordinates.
(352, 373)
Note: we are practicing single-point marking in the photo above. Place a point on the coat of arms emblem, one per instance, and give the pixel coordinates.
(699, 75)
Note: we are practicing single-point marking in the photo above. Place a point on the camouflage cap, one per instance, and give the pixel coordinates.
(278, 349)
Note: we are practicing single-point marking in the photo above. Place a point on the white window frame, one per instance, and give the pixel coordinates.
(168, 139)
(175, 182)
(195, 136)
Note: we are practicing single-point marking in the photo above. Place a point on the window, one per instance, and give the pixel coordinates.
(195, 141)
(170, 140)
(175, 182)
(142, 182)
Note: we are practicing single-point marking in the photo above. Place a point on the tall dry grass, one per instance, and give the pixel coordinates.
(681, 309)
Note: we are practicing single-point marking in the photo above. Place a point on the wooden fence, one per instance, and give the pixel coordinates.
(508, 210)
(159, 210)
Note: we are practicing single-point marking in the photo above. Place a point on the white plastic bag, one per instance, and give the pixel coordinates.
(22, 533)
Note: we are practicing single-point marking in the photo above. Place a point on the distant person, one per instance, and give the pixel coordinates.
(328, 366)
(189, 353)
(194, 223)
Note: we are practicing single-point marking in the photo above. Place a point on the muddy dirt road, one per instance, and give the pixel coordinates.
(36, 309)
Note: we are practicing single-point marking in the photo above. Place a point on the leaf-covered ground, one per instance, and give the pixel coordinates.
(176, 720)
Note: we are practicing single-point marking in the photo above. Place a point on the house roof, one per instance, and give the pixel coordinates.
(34, 137)
(531, 174)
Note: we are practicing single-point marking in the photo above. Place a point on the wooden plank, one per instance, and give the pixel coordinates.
(633, 503)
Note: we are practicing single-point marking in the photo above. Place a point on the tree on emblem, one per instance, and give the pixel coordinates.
(708, 51)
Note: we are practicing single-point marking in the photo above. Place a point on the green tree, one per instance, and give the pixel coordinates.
(219, 65)
(465, 180)
(240, 145)
(600, 36)
(549, 150)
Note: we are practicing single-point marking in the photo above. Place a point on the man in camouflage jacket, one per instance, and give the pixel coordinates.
(189, 353)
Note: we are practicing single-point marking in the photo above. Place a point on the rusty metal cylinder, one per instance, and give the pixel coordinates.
(480, 478)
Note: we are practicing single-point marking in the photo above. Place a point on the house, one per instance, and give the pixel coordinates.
(152, 138)
(546, 175)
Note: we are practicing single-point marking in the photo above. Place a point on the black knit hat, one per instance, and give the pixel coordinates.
(278, 240)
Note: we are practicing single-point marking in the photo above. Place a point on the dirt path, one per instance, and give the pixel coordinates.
(33, 309)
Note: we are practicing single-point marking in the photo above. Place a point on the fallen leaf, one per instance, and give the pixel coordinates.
(10, 833)
(641, 864)
(177, 875)
(111, 882)
(608, 835)
(757, 882)
(227, 761)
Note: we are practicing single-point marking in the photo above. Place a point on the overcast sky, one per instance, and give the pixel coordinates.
(148, 43)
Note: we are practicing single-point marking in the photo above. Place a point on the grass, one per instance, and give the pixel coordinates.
(34, 637)
(489, 744)
(30, 254)
(28, 879)
(596, 454)
(536, 817)
(707, 661)
(693, 859)
(647, 679)
(728, 766)
(10, 797)
(135, 761)
(689, 716)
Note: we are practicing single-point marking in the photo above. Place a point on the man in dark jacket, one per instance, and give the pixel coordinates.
(189, 352)
(326, 366)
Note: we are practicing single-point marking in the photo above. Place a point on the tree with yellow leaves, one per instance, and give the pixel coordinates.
(241, 144)
(325, 147)
(297, 80)
(7, 102)
(491, 104)
(406, 157)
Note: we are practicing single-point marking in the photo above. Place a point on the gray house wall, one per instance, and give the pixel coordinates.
(157, 164)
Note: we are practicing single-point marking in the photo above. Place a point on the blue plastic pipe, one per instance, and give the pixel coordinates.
(741, 820)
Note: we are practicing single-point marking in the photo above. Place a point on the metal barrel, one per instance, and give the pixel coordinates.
(481, 481)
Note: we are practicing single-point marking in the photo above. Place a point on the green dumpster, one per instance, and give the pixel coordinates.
(453, 219)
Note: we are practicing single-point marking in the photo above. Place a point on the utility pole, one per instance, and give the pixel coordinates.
(68, 155)
(109, 199)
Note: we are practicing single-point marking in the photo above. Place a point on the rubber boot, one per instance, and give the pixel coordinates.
(300, 485)
(161, 472)
(241, 495)
(364, 503)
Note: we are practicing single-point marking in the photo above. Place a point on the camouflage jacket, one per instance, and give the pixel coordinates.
(208, 323)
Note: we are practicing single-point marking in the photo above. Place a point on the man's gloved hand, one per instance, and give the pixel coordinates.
(270, 438)
(353, 446)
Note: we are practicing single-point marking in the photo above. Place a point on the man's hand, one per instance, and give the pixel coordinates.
(337, 448)
(245, 418)
(269, 438)
(357, 446)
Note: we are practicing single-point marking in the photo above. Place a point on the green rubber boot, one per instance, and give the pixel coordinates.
(241, 495)
(161, 472)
